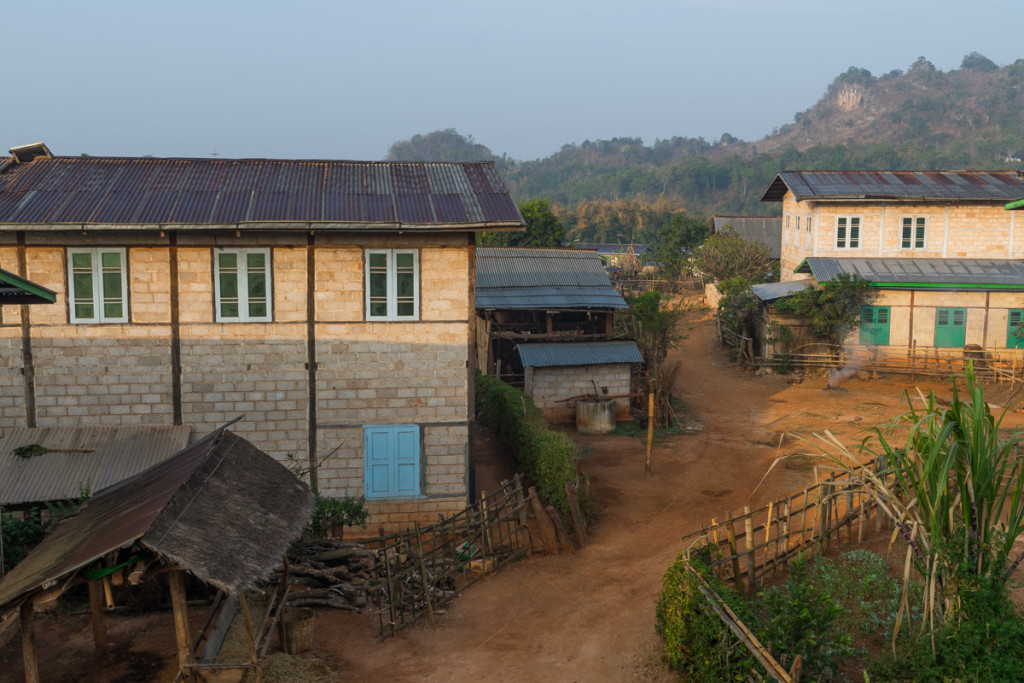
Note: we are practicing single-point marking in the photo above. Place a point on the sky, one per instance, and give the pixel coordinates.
(315, 79)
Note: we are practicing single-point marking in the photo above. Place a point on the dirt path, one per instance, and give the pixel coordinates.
(590, 616)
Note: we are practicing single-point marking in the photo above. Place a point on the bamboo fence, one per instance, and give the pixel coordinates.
(757, 544)
(420, 570)
(1000, 365)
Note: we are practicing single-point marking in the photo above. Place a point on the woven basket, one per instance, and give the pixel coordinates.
(298, 629)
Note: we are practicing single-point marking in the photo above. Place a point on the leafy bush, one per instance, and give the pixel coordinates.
(21, 534)
(547, 458)
(801, 620)
(332, 512)
(698, 645)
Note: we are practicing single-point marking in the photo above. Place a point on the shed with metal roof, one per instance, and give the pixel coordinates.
(557, 374)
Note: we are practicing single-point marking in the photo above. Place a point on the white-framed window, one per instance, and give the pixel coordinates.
(392, 284)
(809, 238)
(786, 232)
(913, 232)
(98, 285)
(847, 232)
(241, 282)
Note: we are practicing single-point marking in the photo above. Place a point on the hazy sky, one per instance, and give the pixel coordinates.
(343, 80)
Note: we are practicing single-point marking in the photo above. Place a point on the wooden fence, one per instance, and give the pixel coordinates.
(419, 571)
(1000, 365)
(755, 544)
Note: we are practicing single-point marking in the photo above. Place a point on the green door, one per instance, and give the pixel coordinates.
(1014, 330)
(951, 327)
(874, 325)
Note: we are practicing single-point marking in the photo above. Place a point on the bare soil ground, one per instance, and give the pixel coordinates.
(587, 616)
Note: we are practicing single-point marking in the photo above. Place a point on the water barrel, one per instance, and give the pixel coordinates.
(596, 416)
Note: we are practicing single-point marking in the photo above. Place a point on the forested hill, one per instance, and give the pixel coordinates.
(923, 119)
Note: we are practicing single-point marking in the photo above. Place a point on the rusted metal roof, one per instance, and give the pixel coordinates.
(921, 273)
(141, 192)
(906, 186)
(220, 508)
(516, 278)
(765, 230)
(80, 457)
(772, 291)
(15, 289)
(579, 353)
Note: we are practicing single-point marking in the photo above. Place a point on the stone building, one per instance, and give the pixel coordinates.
(328, 302)
(942, 253)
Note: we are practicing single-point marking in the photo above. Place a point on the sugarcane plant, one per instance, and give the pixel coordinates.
(952, 486)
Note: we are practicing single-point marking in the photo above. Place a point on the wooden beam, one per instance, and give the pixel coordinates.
(99, 627)
(176, 581)
(28, 642)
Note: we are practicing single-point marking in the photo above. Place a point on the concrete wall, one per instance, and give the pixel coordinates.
(415, 372)
(547, 385)
(954, 230)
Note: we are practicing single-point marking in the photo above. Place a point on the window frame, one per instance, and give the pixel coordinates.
(909, 238)
(404, 468)
(849, 240)
(97, 298)
(391, 298)
(242, 285)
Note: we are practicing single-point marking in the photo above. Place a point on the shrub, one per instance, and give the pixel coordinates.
(698, 646)
(547, 458)
(331, 512)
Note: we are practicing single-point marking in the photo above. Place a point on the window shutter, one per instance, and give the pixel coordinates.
(378, 462)
(407, 459)
(392, 461)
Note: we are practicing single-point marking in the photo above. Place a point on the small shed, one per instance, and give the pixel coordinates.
(555, 373)
(219, 509)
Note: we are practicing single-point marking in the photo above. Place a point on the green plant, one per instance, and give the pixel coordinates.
(698, 645)
(800, 619)
(831, 310)
(547, 458)
(330, 513)
(21, 534)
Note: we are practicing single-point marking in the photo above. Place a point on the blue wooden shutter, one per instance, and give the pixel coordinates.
(392, 460)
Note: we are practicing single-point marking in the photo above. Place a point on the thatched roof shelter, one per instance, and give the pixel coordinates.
(220, 509)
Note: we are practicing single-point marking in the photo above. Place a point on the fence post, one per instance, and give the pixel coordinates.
(730, 532)
(423, 575)
(547, 527)
(748, 526)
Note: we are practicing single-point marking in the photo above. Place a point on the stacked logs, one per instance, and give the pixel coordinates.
(335, 574)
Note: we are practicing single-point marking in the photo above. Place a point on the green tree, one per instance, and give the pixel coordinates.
(441, 145)
(831, 310)
(655, 326)
(676, 241)
(726, 255)
(543, 229)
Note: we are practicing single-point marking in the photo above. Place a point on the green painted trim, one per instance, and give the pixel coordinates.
(808, 270)
(1019, 204)
(29, 287)
(943, 285)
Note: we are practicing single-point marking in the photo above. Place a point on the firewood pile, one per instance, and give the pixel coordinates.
(335, 574)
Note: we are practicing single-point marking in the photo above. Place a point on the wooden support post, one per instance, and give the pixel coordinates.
(179, 603)
(28, 642)
(730, 531)
(572, 493)
(99, 628)
(563, 535)
(748, 526)
(254, 661)
(108, 592)
(650, 433)
(767, 535)
(544, 523)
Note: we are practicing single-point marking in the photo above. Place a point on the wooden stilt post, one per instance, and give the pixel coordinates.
(176, 581)
(99, 628)
(28, 642)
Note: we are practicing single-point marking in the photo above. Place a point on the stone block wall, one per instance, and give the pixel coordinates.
(546, 386)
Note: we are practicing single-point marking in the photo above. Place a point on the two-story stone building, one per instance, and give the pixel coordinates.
(329, 302)
(940, 249)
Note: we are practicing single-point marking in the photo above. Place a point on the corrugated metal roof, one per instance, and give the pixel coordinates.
(546, 279)
(167, 192)
(766, 230)
(770, 291)
(578, 353)
(930, 273)
(15, 289)
(112, 454)
(992, 186)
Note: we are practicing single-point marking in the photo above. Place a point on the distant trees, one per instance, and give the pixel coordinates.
(441, 145)
(543, 229)
(725, 256)
(675, 242)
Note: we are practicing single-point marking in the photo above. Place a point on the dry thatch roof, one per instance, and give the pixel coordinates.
(220, 508)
